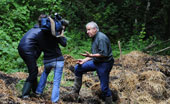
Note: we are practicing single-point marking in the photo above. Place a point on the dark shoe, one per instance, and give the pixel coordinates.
(38, 94)
(26, 90)
(26, 97)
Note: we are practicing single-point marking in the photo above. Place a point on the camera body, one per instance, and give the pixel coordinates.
(53, 25)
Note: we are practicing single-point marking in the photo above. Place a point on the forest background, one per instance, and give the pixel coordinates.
(137, 24)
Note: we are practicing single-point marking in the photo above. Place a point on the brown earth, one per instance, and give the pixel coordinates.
(145, 79)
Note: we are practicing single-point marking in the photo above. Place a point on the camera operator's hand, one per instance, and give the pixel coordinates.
(62, 32)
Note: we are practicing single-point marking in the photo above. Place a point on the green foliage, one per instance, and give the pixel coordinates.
(12, 26)
(10, 59)
(137, 23)
(21, 16)
(76, 45)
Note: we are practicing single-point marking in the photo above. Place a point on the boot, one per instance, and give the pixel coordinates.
(73, 96)
(34, 86)
(77, 84)
(26, 90)
(108, 100)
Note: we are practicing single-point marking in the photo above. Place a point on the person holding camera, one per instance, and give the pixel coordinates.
(53, 58)
(100, 60)
(29, 51)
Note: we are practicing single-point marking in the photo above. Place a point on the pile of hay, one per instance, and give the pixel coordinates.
(145, 79)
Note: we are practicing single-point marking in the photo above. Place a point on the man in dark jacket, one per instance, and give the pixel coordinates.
(29, 51)
(100, 60)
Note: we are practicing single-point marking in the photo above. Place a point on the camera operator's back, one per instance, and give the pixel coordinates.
(50, 45)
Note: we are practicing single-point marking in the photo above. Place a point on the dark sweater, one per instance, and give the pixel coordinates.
(50, 46)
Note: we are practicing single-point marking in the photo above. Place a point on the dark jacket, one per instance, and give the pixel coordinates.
(36, 40)
(29, 43)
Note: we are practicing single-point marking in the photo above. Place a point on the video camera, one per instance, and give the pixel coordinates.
(54, 25)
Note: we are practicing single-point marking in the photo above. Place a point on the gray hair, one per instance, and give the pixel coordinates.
(93, 25)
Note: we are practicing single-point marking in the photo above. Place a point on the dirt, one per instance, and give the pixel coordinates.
(138, 79)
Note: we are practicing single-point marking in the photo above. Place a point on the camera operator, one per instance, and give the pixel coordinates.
(53, 58)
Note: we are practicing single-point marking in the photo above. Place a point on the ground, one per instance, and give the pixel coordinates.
(138, 79)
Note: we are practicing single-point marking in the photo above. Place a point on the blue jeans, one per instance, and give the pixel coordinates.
(103, 70)
(58, 70)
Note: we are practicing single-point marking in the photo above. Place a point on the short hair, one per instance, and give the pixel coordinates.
(93, 25)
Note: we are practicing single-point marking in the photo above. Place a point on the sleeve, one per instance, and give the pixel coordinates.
(62, 41)
(102, 47)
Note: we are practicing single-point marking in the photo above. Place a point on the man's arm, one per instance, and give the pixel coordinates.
(87, 54)
(81, 61)
(88, 57)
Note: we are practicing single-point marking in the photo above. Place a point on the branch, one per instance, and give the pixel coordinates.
(153, 45)
(162, 50)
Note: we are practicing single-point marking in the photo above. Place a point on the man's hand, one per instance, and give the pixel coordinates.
(82, 61)
(86, 54)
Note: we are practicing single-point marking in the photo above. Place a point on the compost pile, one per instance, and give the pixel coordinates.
(138, 79)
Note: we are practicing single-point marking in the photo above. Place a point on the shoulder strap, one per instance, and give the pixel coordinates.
(52, 26)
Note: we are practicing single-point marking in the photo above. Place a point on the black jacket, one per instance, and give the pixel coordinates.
(29, 43)
(36, 40)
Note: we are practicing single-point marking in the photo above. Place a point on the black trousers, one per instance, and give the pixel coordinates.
(30, 59)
